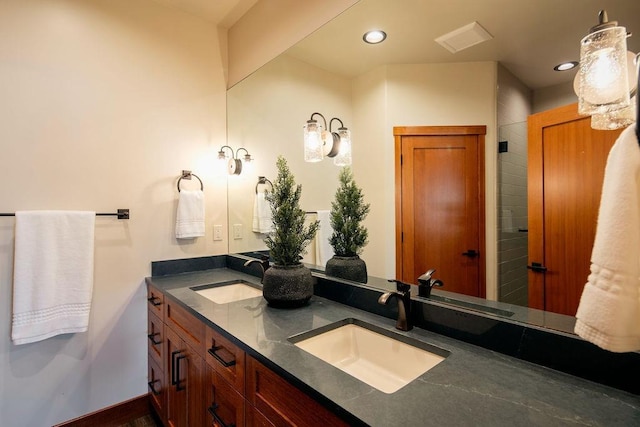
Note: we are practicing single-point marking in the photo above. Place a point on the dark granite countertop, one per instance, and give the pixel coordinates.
(471, 387)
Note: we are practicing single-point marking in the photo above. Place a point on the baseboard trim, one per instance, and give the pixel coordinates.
(114, 415)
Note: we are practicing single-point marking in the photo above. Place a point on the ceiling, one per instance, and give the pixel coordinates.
(530, 37)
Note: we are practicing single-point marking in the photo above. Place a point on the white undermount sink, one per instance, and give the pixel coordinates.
(382, 359)
(223, 293)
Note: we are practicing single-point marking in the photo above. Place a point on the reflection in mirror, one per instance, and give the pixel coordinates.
(266, 113)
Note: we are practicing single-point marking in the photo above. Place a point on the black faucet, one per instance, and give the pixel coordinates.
(264, 264)
(426, 283)
(403, 295)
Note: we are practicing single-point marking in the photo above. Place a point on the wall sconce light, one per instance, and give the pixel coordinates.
(321, 141)
(606, 81)
(233, 164)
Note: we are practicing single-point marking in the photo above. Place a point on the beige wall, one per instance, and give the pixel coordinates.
(414, 95)
(266, 113)
(270, 107)
(273, 26)
(103, 103)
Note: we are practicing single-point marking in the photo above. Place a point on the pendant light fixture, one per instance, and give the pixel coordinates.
(602, 82)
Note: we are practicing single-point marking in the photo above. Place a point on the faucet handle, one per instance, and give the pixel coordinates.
(401, 286)
(426, 277)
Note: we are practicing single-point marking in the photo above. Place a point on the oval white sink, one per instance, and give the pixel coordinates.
(223, 293)
(382, 359)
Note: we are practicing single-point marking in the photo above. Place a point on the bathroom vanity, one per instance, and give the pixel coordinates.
(238, 363)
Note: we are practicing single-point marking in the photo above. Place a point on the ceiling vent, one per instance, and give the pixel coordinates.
(464, 37)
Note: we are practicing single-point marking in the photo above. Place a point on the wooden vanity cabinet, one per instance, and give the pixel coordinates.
(199, 377)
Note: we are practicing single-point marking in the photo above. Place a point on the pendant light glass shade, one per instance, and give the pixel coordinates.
(313, 141)
(615, 119)
(343, 158)
(603, 86)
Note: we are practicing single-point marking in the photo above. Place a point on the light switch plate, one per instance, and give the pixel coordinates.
(237, 231)
(217, 232)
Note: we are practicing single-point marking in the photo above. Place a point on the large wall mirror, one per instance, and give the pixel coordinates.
(410, 80)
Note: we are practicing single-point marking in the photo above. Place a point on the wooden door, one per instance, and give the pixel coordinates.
(440, 205)
(566, 161)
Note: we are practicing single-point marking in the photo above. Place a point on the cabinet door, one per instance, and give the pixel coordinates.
(225, 404)
(176, 355)
(226, 359)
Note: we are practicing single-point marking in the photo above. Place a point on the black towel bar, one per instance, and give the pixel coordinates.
(121, 214)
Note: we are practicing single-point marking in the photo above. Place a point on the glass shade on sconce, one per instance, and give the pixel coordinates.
(313, 142)
(602, 81)
(343, 158)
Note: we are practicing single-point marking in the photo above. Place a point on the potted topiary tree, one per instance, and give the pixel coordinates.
(349, 236)
(288, 283)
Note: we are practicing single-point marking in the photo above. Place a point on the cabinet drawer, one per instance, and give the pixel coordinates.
(225, 404)
(255, 418)
(155, 333)
(282, 403)
(157, 388)
(155, 301)
(226, 359)
(187, 326)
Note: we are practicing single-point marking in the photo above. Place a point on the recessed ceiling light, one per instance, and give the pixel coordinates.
(374, 36)
(565, 66)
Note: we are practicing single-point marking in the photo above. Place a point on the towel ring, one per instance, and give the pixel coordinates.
(187, 175)
(263, 180)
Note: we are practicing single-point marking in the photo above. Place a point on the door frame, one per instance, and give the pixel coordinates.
(480, 131)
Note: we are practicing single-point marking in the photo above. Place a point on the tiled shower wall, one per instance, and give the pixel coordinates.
(514, 106)
(512, 226)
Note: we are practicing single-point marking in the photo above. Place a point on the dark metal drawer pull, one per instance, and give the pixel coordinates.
(212, 410)
(153, 340)
(152, 388)
(471, 253)
(154, 300)
(214, 352)
(178, 386)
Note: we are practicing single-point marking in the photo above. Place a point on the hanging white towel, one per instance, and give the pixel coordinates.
(52, 275)
(324, 250)
(262, 220)
(190, 215)
(609, 310)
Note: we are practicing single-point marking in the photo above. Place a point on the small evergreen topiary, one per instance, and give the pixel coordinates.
(290, 237)
(348, 210)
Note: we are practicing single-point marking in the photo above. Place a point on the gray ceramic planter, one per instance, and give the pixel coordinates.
(287, 286)
(350, 268)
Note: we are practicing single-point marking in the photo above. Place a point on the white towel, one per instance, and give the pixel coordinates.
(190, 215)
(324, 250)
(52, 275)
(609, 310)
(262, 220)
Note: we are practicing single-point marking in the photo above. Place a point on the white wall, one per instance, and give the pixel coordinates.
(103, 103)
